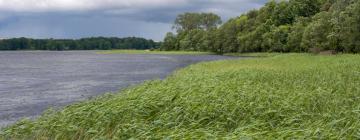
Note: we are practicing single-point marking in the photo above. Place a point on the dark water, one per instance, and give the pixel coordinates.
(31, 82)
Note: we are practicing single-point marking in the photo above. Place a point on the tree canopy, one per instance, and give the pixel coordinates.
(279, 26)
(96, 43)
(196, 21)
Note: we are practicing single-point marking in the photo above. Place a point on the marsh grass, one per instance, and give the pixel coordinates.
(154, 52)
(295, 96)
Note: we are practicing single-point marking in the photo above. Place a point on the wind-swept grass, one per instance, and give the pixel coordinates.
(296, 96)
(154, 52)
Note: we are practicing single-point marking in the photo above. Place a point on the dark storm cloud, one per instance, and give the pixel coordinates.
(123, 18)
(226, 8)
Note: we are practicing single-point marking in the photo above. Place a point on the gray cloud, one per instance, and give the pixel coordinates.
(143, 18)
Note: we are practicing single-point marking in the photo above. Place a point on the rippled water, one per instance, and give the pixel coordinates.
(31, 82)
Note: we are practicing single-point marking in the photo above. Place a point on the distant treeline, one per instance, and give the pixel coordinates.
(279, 26)
(96, 43)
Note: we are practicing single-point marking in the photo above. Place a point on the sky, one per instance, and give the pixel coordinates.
(150, 19)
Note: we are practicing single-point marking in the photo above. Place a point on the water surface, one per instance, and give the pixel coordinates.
(33, 81)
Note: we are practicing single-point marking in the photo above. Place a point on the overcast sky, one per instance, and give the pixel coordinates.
(120, 18)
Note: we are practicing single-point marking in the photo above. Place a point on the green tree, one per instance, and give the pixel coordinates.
(316, 33)
(304, 8)
(229, 33)
(296, 34)
(278, 26)
(193, 21)
(210, 21)
(169, 42)
(350, 33)
(187, 21)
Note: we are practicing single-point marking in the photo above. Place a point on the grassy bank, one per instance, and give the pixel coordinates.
(253, 54)
(153, 52)
(297, 96)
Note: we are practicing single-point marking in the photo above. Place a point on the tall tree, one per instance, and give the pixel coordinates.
(169, 42)
(191, 21)
(280, 26)
(210, 21)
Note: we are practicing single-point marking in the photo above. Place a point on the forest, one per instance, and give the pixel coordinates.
(279, 26)
(96, 43)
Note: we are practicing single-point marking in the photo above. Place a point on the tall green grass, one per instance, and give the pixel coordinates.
(296, 96)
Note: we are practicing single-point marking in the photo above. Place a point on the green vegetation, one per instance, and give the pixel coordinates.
(98, 43)
(279, 26)
(253, 54)
(153, 52)
(293, 96)
(282, 96)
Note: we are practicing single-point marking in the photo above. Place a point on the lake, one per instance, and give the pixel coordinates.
(33, 81)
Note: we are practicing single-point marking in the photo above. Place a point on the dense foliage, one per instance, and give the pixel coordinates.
(98, 43)
(279, 26)
(294, 96)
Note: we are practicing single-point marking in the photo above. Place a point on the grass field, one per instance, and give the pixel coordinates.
(153, 52)
(293, 96)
